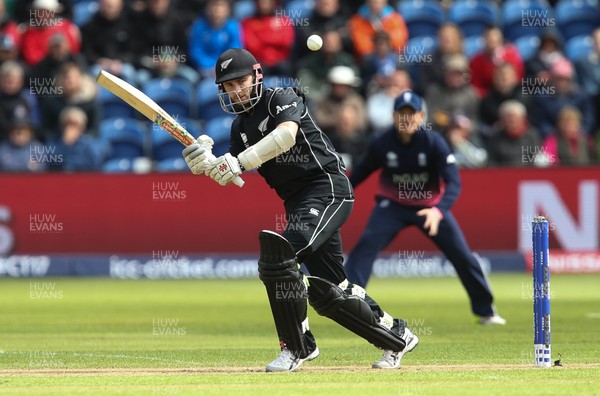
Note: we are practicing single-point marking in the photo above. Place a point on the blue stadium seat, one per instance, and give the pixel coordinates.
(577, 17)
(113, 106)
(527, 46)
(172, 165)
(164, 146)
(422, 17)
(207, 101)
(578, 47)
(219, 129)
(474, 16)
(83, 11)
(526, 18)
(472, 45)
(118, 165)
(126, 137)
(298, 10)
(172, 94)
(244, 9)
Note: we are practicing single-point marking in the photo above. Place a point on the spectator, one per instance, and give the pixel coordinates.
(569, 144)
(453, 96)
(342, 81)
(23, 9)
(75, 150)
(8, 27)
(514, 143)
(159, 35)
(465, 143)
(506, 87)
(450, 42)
(211, 35)
(380, 106)
(315, 67)
(348, 137)
(15, 101)
(21, 152)
(380, 64)
(564, 92)
(327, 15)
(588, 72)
(59, 54)
(8, 49)
(74, 88)
(548, 53)
(494, 53)
(107, 41)
(374, 16)
(44, 23)
(269, 35)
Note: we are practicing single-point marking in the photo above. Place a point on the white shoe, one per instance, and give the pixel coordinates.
(494, 320)
(391, 359)
(288, 361)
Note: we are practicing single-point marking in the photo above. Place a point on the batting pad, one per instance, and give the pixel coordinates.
(286, 288)
(352, 312)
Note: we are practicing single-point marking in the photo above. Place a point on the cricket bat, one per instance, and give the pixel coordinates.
(151, 110)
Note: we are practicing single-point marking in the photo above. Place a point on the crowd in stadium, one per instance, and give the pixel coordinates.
(513, 83)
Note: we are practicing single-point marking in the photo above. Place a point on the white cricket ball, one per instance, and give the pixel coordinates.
(314, 42)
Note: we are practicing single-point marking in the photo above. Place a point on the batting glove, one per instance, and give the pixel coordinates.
(197, 158)
(224, 169)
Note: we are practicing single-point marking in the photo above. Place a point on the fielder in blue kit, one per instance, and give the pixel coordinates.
(418, 184)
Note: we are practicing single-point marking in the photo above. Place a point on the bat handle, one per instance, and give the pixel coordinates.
(238, 181)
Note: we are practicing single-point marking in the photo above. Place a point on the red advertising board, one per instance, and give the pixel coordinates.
(111, 213)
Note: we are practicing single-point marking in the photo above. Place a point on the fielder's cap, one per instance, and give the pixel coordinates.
(456, 63)
(343, 75)
(408, 99)
(235, 63)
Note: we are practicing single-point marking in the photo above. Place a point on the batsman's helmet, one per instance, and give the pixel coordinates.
(233, 64)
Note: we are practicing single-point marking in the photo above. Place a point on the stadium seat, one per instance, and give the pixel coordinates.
(527, 46)
(526, 18)
(472, 45)
(83, 11)
(578, 47)
(243, 9)
(173, 95)
(207, 101)
(126, 137)
(299, 10)
(422, 17)
(473, 16)
(219, 129)
(172, 165)
(118, 165)
(164, 146)
(577, 17)
(113, 106)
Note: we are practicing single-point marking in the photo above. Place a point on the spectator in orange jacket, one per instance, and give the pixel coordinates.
(269, 35)
(374, 16)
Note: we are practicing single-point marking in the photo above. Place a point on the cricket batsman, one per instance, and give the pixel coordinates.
(318, 198)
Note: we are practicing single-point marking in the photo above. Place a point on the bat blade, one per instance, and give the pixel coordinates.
(142, 103)
(150, 109)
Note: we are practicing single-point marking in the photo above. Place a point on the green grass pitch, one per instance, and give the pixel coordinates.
(87, 336)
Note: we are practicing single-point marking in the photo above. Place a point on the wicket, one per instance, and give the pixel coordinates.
(541, 293)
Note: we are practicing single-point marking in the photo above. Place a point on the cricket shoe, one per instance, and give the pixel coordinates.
(391, 359)
(494, 320)
(288, 361)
